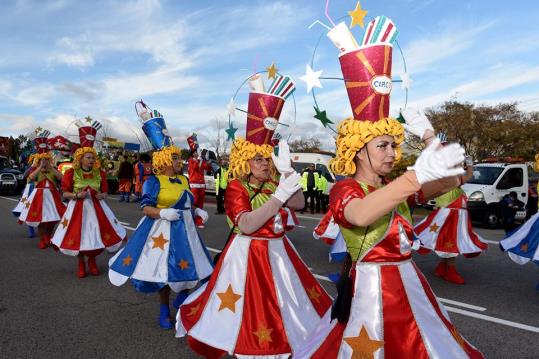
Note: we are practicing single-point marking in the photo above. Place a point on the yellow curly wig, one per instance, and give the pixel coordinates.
(353, 135)
(37, 157)
(163, 158)
(81, 152)
(242, 151)
(537, 162)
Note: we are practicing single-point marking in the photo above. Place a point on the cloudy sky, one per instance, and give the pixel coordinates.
(66, 59)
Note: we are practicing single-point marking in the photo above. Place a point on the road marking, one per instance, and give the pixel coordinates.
(489, 241)
(460, 304)
(10, 199)
(124, 223)
(308, 217)
(493, 319)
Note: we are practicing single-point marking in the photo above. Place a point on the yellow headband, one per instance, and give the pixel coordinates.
(353, 135)
(163, 158)
(80, 152)
(242, 151)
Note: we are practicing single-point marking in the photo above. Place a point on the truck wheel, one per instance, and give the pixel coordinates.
(491, 219)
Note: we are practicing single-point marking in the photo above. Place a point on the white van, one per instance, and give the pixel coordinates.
(492, 181)
(302, 160)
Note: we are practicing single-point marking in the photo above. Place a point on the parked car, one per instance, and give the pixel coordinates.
(11, 179)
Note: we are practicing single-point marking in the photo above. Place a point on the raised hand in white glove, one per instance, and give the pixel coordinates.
(468, 161)
(416, 121)
(202, 214)
(287, 187)
(438, 162)
(170, 214)
(283, 162)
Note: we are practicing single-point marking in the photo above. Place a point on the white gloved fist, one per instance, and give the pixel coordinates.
(437, 162)
(170, 214)
(468, 161)
(202, 214)
(287, 187)
(283, 163)
(416, 122)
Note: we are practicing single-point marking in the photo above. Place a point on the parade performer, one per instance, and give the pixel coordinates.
(143, 170)
(448, 229)
(28, 188)
(261, 300)
(522, 244)
(196, 166)
(88, 225)
(385, 308)
(165, 251)
(43, 206)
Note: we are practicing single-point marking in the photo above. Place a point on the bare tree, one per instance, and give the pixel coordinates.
(218, 139)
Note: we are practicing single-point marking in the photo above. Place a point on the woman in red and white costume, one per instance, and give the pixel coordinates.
(261, 300)
(448, 230)
(88, 225)
(385, 308)
(43, 207)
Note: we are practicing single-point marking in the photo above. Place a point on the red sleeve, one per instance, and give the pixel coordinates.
(67, 181)
(340, 196)
(104, 183)
(236, 201)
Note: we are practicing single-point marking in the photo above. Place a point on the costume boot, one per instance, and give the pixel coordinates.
(440, 269)
(82, 267)
(164, 317)
(92, 266)
(452, 275)
(31, 232)
(180, 298)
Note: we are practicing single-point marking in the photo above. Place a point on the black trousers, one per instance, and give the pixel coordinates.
(323, 202)
(311, 196)
(221, 201)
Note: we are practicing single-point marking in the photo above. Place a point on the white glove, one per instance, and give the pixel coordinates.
(287, 187)
(435, 163)
(416, 122)
(283, 162)
(202, 214)
(170, 214)
(468, 161)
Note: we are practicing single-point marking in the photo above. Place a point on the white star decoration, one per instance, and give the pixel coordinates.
(231, 107)
(406, 81)
(311, 78)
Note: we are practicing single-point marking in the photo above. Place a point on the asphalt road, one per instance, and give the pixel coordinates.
(46, 311)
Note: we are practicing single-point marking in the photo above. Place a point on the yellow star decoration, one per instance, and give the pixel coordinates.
(183, 264)
(159, 241)
(193, 310)
(263, 334)
(65, 222)
(449, 244)
(127, 260)
(314, 294)
(358, 16)
(38, 130)
(70, 241)
(88, 119)
(434, 227)
(524, 247)
(107, 236)
(362, 345)
(34, 213)
(272, 71)
(228, 299)
(23, 200)
(27, 205)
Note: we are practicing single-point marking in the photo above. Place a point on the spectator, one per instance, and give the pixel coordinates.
(509, 205)
(125, 176)
(308, 181)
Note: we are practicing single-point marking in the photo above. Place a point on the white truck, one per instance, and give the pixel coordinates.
(491, 181)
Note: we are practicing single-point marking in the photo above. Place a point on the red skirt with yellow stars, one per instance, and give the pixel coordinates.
(261, 301)
(448, 232)
(42, 205)
(88, 224)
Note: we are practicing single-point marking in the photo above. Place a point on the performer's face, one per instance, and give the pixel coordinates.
(177, 163)
(381, 151)
(260, 168)
(87, 161)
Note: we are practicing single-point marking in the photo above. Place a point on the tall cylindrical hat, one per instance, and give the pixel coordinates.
(41, 142)
(153, 126)
(263, 115)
